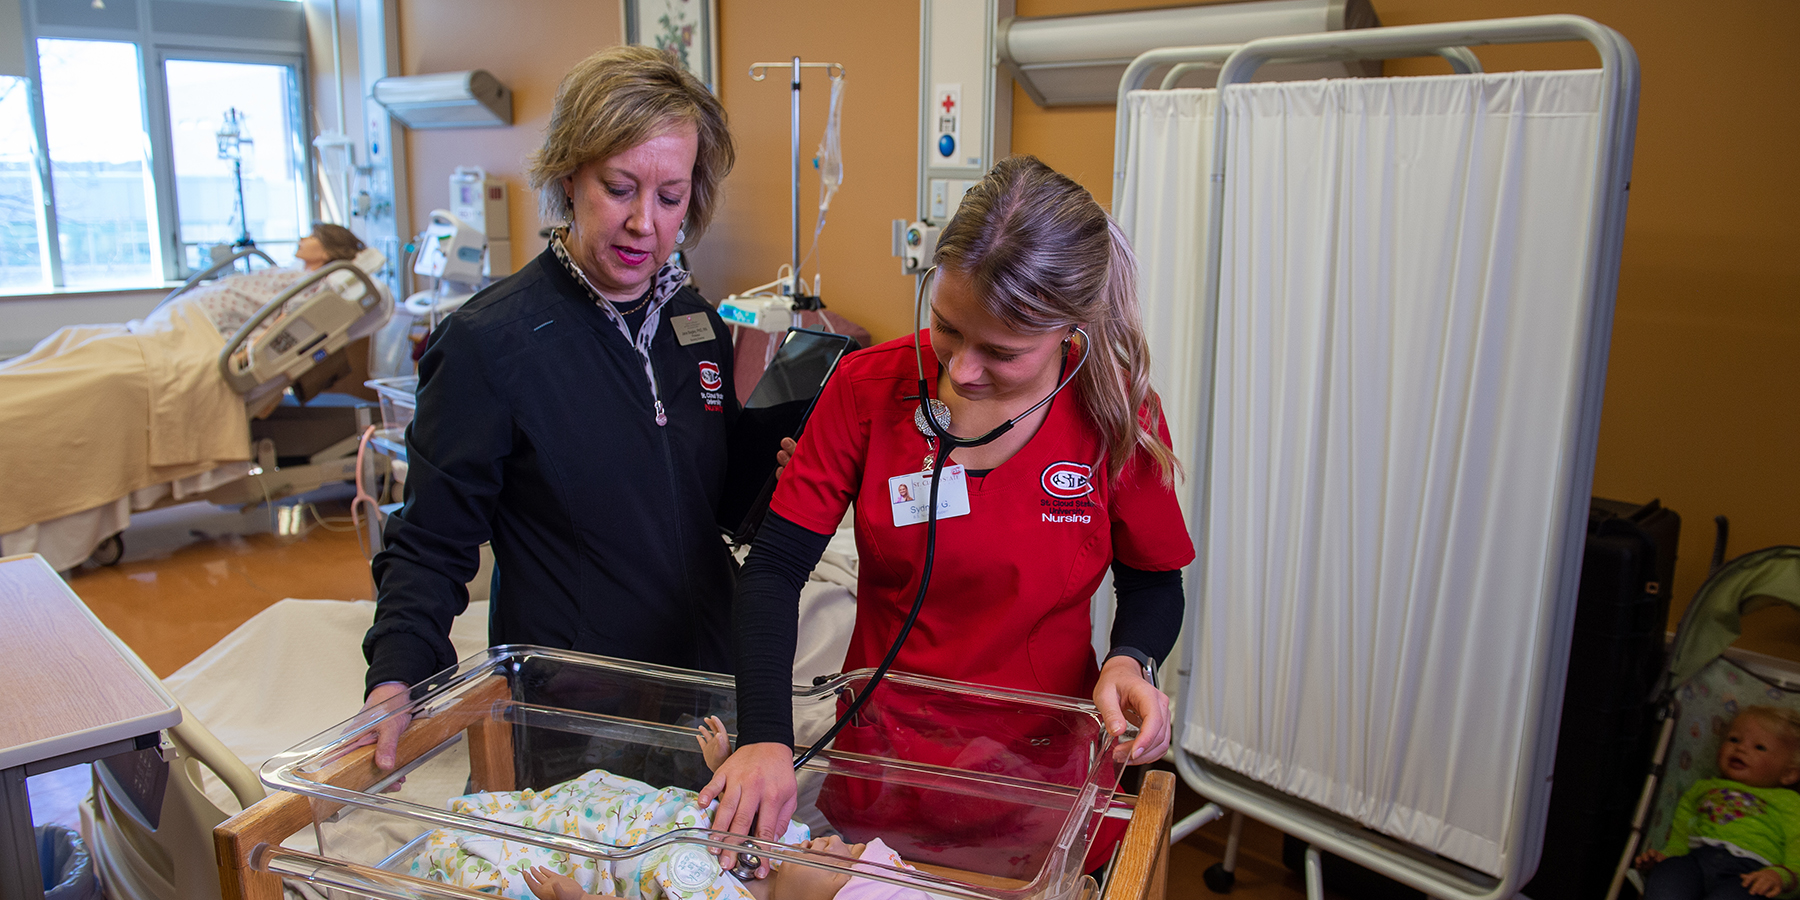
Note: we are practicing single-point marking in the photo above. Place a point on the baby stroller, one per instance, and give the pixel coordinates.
(1702, 690)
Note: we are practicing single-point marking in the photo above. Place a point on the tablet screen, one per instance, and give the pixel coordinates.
(777, 408)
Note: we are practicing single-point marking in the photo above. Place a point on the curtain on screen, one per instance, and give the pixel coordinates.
(1402, 318)
(1162, 208)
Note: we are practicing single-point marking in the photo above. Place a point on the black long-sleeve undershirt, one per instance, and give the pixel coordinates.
(765, 622)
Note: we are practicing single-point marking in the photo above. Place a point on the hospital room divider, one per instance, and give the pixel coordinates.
(1391, 379)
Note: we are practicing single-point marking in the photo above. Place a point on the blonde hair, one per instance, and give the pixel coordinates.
(1043, 256)
(1784, 722)
(617, 99)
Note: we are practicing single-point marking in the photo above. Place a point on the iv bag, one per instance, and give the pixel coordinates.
(831, 148)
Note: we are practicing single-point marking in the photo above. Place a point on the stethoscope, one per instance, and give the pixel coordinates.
(933, 420)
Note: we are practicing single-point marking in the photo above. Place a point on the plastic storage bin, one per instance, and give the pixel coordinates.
(399, 397)
(988, 793)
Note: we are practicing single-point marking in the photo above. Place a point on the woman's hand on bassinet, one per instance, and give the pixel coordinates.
(1648, 858)
(389, 695)
(548, 885)
(1124, 699)
(756, 786)
(715, 743)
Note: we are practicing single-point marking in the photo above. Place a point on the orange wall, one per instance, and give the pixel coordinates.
(528, 45)
(878, 44)
(1703, 384)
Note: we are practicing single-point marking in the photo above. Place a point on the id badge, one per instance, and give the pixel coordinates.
(911, 496)
(692, 329)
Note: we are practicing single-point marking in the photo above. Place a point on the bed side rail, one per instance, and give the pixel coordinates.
(251, 371)
(215, 269)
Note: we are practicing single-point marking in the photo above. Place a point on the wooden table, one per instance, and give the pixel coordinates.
(72, 693)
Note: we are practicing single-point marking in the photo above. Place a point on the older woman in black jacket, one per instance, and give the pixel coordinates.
(575, 414)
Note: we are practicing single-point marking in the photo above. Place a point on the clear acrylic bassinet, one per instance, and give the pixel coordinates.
(988, 793)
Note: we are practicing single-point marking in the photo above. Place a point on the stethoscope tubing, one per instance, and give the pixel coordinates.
(946, 442)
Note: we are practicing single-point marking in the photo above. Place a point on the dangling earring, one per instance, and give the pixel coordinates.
(681, 234)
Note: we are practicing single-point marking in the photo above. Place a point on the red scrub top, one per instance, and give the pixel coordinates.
(1009, 598)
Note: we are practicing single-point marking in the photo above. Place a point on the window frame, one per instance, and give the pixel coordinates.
(153, 49)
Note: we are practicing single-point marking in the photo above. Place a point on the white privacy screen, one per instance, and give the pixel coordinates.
(1163, 210)
(1404, 299)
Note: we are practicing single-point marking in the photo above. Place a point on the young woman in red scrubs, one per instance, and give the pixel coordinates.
(1027, 269)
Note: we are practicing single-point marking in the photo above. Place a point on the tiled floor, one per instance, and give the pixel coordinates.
(192, 573)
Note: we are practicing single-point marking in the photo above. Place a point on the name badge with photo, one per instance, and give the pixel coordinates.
(911, 496)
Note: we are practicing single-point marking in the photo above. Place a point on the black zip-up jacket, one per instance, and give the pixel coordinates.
(535, 430)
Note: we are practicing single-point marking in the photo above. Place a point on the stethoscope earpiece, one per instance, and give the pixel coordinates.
(939, 423)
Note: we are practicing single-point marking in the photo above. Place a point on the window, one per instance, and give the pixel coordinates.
(115, 170)
(99, 163)
(201, 96)
(24, 264)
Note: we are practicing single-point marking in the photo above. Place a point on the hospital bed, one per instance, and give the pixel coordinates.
(199, 395)
(1388, 343)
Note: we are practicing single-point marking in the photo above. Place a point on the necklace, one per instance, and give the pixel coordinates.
(642, 302)
(557, 239)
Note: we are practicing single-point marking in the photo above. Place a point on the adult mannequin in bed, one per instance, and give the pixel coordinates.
(574, 414)
(1028, 258)
(96, 412)
(230, 302)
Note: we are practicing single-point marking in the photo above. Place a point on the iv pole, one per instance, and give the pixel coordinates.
(759, 71)
(231, 141)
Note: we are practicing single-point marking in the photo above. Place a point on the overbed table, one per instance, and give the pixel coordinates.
(72, 693)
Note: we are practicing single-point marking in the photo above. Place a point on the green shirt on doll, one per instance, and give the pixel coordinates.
(1763, 823)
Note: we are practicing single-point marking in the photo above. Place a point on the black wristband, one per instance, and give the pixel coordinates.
(1146, 665)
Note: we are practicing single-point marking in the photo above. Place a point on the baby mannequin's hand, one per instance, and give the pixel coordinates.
(1763, 882)
(1648, 858)
(715, 744)
(548, 885)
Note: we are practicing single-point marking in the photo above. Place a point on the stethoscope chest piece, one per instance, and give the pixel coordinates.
(747, 864)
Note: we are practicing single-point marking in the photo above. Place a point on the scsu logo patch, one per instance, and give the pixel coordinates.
(1068, 480)
(710, 382)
